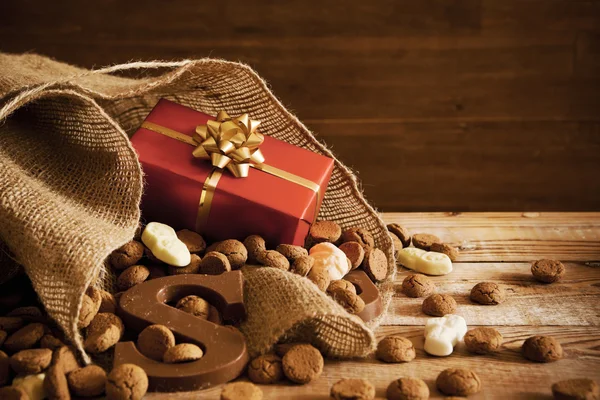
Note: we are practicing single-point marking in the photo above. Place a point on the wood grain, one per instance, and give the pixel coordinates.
(484, 104)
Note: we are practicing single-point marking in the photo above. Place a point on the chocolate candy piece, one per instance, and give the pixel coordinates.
(225, 349)
(368, 292)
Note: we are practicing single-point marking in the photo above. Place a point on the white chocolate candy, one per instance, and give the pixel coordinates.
(329, 257)
(32, 384)
(443, 333)
(425, 262)
(163, 242)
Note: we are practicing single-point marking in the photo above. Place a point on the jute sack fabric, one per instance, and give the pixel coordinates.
(70, 188)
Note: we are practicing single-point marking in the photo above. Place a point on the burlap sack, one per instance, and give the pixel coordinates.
(70, 187)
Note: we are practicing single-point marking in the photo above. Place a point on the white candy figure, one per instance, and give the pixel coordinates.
(33, 385)
(425, 262)
(329, 257)
(163, 242)
(443, 333)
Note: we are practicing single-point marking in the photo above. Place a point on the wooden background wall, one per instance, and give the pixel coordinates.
(482, 104)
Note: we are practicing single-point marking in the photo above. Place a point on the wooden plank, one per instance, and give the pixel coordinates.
(503, 237)
(504, 375)
(574, 301)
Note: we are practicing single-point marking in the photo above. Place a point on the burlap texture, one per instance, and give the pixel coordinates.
(70, 187)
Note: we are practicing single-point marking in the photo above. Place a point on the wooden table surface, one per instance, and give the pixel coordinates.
(495, 247)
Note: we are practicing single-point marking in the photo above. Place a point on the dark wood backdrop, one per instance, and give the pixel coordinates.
(439, 104)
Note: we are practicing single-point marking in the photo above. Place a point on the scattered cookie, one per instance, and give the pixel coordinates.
(424, 241)
(108, 303)
(274, 259)
(291, 252)
(417, 285)
(352, 389)
(542, 349)
(88, 381)
(576, 389)
(4, 368)
(28, 313)
(87, 311)
(214, 263)
(56, 385)
(458, 382)
(194, 305)
(302, 363)
(96, 297)
(401, 233)
(154, 340)
(324, 231)
(192, 268)
(11, 324)
(126, 382)
(375, 264)
(49, 341)
(407, 389)
(13, 393)
(487, 293)
(241, 391)
(483, 340)
(349, 300)
(105, 330)
(360, 235)
(181, 353)
(395, 349)
(340, 284)
(319, 277)
(235, 251)
(32, 361)
(396, 241)
(192, 240)
(127, 255)
(446, 249)
(132, 276)
(255, 245)
(355, 253)
(282, 348)
(548, 271)
(25, 338)
(265, 369)
(65, 359)
(438, 305)
(303, 265)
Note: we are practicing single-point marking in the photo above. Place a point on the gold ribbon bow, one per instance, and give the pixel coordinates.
(231, 143)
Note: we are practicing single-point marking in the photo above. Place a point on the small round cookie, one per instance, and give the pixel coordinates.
(483, 340)
(547, 271)
(487, 293)
(65, 359)
(154, 340)
(438, 305)
(28, 313)
(355, 253)
(360, 235)
(25, 338)
(417, 285)
(132, 276)
(291, 252)
(108, 302)
(324, 231)
(320, 278)
(156, 271)
(458, 382)
(576, 389)
(302, 363)
(450, 251)
(105, 330)
(32, 361)
(424, 240)
(352, 389)
(401, 233)
(375, 264)
(181, 353)
(192, 268)
(241, 391)
(126, 382)
(274, 259)
(214, 263)
(194, 305)
(192, 240)
(102, 322)
(303, 265)
(542, 349)
(49, 341)
(397, 242)
(127, 255)
(395, 349)
(96, 297)
(11, 324)
(87, 312)
(349, 300)
(340, 284)
(5, 372)
(407, 389)
(13, 393)
(282, 348)
(55, 384)
(235, 251)
(88, 381)
(265, 369)
(255, 245)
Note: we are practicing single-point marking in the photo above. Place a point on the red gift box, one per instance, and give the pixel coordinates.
(276, 207)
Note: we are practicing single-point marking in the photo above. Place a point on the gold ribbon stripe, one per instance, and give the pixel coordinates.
(212, 180)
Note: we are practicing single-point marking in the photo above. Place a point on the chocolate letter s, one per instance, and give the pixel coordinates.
(225, 353)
